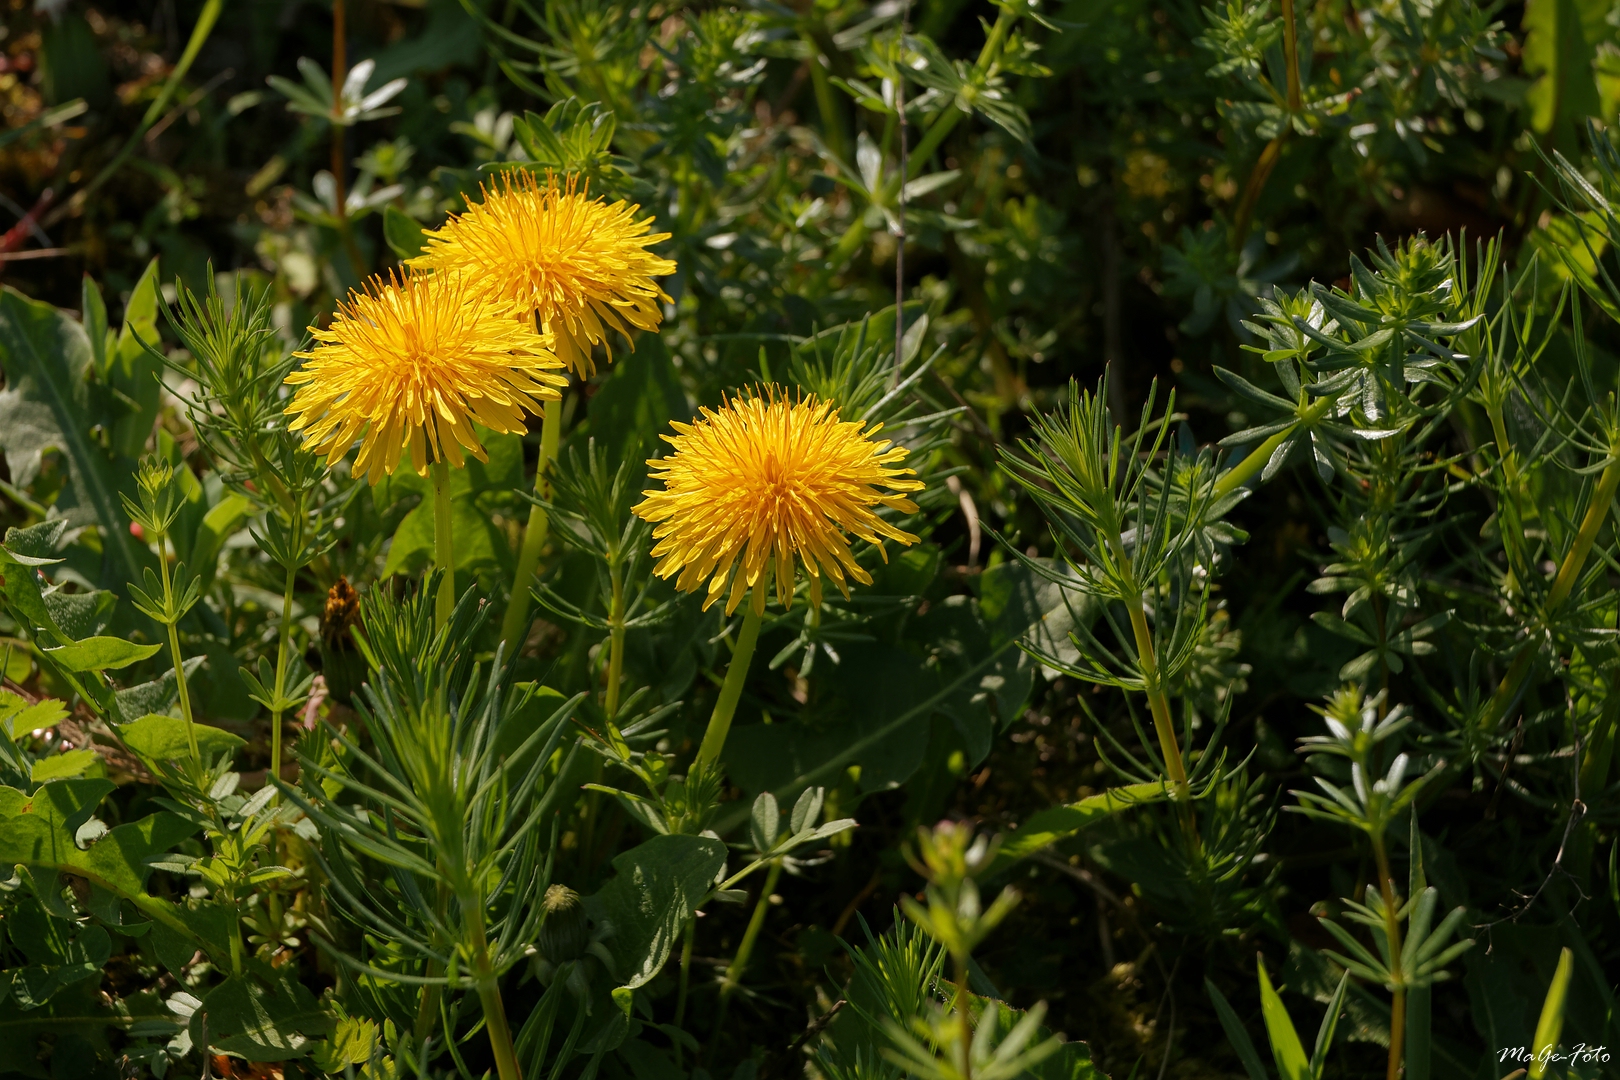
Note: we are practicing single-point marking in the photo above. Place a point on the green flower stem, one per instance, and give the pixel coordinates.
(731, 691)
(1239, 474)
(534, 534)
(444, 555)
(1569, 572)
(174, 652)
(281, 672)
(756, 923)
(615, 673)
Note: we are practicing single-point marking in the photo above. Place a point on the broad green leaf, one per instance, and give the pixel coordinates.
(18, 717)
(46, 356)
(1047, 827)
(1558, 55)
(36, 545)
(656, 887)
(38, 832)
(403, 233)
(217, 525)
(19, 585)
(101, 654)
(353, 1043)
(133, 371)
(479, 545)
(82, 614)
(268, 1018)
(1286, 1048)
(208, 924)
(63, 766)
(157, 738)
(60, 953)
(157, 696)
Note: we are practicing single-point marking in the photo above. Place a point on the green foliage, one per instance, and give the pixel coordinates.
(1251, 483)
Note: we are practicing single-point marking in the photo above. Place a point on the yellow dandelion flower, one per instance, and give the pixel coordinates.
(406, 366)
(772, 481)
(579, 264)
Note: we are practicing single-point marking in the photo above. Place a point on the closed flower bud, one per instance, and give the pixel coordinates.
(563, 934)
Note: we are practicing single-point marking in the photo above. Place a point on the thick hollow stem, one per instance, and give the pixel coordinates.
(534, 535)
(615, 671)
(714, 738)
(444, 556)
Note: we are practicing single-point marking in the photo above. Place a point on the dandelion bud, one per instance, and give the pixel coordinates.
(563, 934)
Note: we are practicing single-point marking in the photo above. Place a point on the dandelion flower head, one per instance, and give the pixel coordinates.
(406, 367)
(581, 265)
(766, 481)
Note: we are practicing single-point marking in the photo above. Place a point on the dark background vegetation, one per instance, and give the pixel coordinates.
(1099, 244)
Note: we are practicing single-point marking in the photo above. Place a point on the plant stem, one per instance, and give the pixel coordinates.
(714, 738)
(1392, 930)
(756, 922)
(444, 556)
(1158, 702)
(281, 672)
(1569, 572)
(1239, 474)
(964, 1015)
(686, 981)
(534, 534)
(1291, 55)
(340, 164)
(489, 995)
(174, 652)
(615, 672)
(1263, 167)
